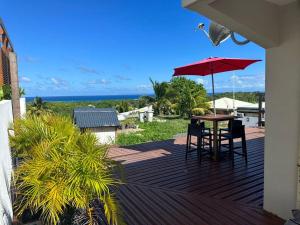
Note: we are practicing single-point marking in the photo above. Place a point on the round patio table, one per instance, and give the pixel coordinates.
(215, 119)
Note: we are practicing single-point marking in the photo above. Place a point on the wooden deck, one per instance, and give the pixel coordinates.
(162, 188)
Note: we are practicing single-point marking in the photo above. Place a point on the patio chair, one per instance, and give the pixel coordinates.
(207, 135)
(235, 130)
(203, 136)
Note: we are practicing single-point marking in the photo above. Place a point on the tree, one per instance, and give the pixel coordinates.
(145, 100)
(161, 102)
(124, 106)
(160, 89)
(62, 168)
(189, 95)
(38, 106)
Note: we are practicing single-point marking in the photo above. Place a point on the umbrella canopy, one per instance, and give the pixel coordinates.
(211, 66)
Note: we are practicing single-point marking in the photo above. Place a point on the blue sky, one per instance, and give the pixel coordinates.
(104, 47)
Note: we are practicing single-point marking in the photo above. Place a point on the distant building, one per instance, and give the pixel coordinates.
(103, 122)
(246, 111)
(229, 105)
(250, 115)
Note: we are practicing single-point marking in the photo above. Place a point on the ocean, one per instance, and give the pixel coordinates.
(85, 98)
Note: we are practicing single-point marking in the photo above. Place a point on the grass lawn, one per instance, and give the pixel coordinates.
(155, 131)
(158, 131)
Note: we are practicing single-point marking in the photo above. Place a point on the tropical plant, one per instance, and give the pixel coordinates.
(160, 89)
(162, 104)
(179, 96)
(38, 107)
(145, 100)
(5, 92)
(62, 168)
(198, 111)
(22, 92)
(124, 106)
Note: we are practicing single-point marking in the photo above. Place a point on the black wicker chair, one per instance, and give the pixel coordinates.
(235, 130)
(204, 138)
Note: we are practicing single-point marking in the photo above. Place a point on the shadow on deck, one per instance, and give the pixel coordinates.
(162, 188)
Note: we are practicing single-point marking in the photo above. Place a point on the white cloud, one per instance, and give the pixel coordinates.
(104, 81)
(120, 77)
(85, 69)
(237, 82)
(200, 81)
(58, 83)
(54, 81)
(144, 87)
(30, 59)
(98, 81)
(25, 79)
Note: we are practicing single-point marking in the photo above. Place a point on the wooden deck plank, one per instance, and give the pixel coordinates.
(162, 188)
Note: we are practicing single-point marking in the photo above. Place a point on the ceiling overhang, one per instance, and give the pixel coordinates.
(257, 20)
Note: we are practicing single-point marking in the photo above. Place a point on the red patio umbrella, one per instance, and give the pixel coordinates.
(211, 66)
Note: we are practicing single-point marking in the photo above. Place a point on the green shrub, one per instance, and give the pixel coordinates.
(61, 168)
(198, 111)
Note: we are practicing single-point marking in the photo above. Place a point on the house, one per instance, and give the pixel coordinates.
(275, 26)
(103, 122)
(250, 115)
(246, 111)
(228, 105)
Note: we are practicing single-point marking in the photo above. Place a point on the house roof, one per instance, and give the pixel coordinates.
(87, 117)
(229, 104)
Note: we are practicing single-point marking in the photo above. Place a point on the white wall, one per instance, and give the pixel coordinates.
(283, 116)
(6, 119)
(105, 135)
(22, 106)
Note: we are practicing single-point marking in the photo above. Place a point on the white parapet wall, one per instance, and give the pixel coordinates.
(22, 107)
(6, 120)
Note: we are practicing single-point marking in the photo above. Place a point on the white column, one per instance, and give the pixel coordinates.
(283, 116)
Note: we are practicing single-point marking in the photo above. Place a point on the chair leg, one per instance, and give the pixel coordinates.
(219, 144)
(210, 145)
(231, 150)
(244, 146)
(199, 148)
(187, 146)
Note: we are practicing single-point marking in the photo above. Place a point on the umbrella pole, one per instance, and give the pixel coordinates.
(213, 94)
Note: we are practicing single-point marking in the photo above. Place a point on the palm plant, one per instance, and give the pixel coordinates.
(124, 106)
(160, 91)
(38, 106)
(22, 92)
(62, 168)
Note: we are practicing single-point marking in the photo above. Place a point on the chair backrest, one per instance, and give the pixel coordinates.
(202, 125)
(194, 130)
(236, 127)
(194, 121)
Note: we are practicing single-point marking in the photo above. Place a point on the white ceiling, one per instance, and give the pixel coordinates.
(281, 2)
